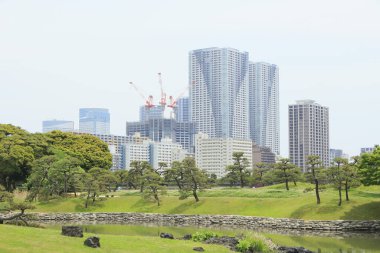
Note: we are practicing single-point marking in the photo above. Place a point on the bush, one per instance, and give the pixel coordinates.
(308, 189)
(202, 236)
(253, 244)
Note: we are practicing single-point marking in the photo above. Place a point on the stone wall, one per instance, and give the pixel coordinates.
(236, 221)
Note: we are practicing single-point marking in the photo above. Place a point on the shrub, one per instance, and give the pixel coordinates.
(253, 244)
(202, 236)
(308, 189)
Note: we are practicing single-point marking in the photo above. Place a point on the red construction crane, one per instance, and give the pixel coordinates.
(162, 101)
(173, 101)
(148, 101)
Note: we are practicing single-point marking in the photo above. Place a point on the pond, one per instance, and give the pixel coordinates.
(321, 242)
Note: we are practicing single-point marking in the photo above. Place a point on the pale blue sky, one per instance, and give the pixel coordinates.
(59, 55)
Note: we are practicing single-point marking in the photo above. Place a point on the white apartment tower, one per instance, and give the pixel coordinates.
(165, 151)
(264, 115)
(214, 154)
(219, 92)
(308, 132)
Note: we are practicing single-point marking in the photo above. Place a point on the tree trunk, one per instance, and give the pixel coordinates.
(178, 184)
(287, 184)
(13, 216)
(346, 189)
(157, 199)
(295, 183)
(317, 191)
(65, 179)
(195, 195)
(93, 197)
(241, 179)
(340, 195)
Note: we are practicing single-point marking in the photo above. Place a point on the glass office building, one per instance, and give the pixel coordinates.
(94, 120)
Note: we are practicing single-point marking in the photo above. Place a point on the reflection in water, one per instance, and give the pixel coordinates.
(318, 241)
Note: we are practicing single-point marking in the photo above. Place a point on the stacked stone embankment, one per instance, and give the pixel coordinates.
(248, 222)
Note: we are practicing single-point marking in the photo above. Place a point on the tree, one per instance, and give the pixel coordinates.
(121, 178)
(90, 150)
(66, 168)
(137, 171)
(336, 175)
(369, 167)
(316, 171)
(153, 185)
(194, 180)
(90, 186)
(54, 175)
(175, 174)
(18, 150)
(231, 178)
(38, 181)
(258, 172)
(239, 167)
(285, 171)
(161, 168)
(105, 178)
(12, 206)
(350, 175)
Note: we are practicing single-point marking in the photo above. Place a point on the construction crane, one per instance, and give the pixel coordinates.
(162, 101)
(148, 100)
(173, 101)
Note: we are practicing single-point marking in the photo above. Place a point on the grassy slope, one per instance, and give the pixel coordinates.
(36, 240)
(271, 201)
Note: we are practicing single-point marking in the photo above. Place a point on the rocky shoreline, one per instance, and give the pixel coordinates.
(233, 221)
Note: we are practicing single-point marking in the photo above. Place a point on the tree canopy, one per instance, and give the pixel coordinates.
(369, 167)
(20, 149)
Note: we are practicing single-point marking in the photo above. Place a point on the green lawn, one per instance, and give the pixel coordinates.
(36, 240)
(325, 244)
(271, 201)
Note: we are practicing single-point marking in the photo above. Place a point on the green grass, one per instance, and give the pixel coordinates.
(36, 240)
(273, 201)
(326, 244)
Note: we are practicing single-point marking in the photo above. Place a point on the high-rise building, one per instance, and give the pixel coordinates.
(215, 154)
(262, 155)
(308, 132)
(61, 125)
(264, 115)
(335, 153)
(219, 92)
(156, 129)
(166, 152)
(156, 112)
(94, 120)
(154, 153)
(182, 113)
(116, 145)
(367, 149)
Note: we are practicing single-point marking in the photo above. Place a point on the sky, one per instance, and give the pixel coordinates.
(57, 56)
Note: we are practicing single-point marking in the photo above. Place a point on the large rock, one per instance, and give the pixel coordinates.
(93, 242)
(200, 249)
(283, 249)
(187, 237)
(166, 236)
(73, 231)
(229, 242)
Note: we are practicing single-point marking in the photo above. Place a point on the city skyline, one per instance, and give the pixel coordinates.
(326, 54)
